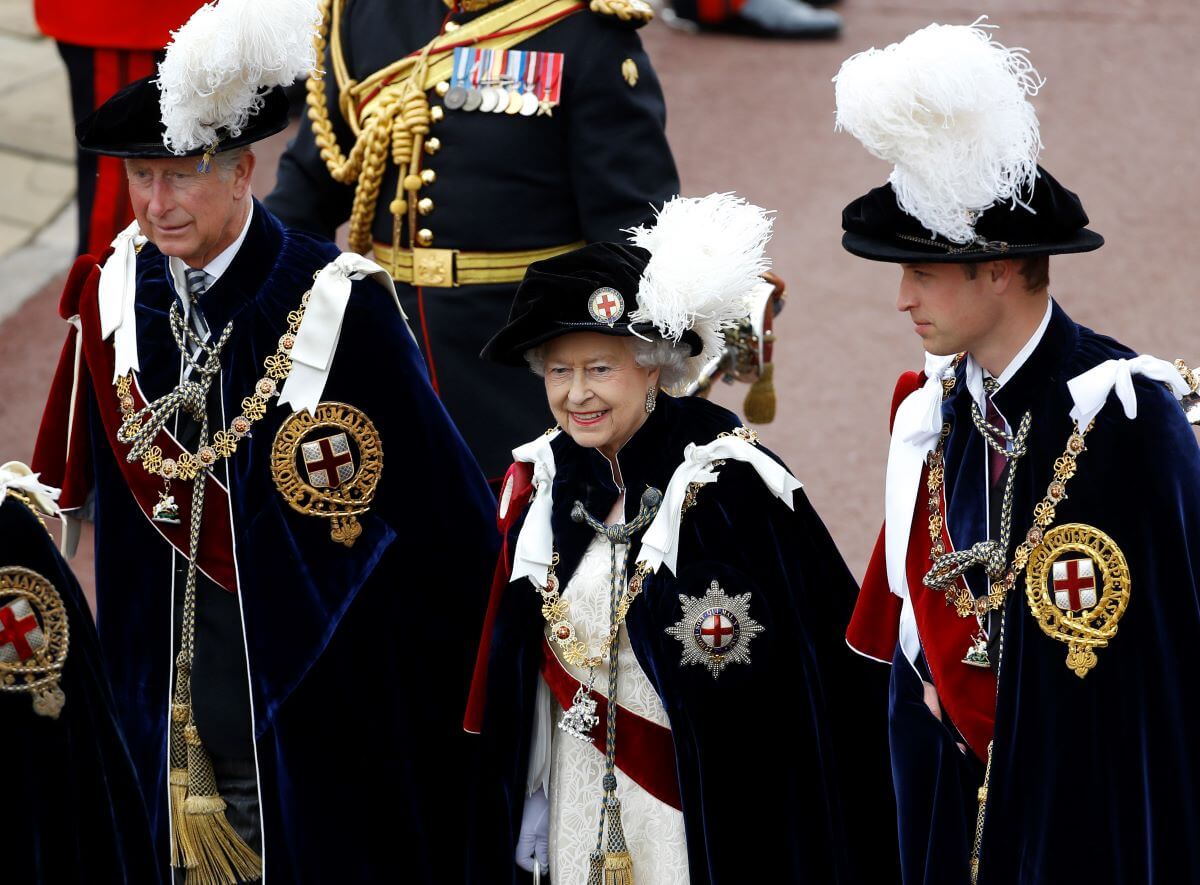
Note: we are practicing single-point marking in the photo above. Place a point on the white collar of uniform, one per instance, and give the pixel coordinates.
(215, 268)
(975, 372)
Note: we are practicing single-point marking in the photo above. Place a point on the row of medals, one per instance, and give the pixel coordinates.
(491, 100)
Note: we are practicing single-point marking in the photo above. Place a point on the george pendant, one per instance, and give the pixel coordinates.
(581, 718)
(166, 510)
(977, 654)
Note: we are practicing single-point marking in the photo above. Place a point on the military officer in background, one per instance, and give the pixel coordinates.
(463, 141)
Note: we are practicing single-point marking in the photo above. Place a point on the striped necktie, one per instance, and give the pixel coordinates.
(197, 283)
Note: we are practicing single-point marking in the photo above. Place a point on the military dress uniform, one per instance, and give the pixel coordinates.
(456, 200)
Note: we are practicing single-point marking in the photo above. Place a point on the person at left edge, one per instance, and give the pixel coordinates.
(478, 195)
(268, 467)
(77, 812)
(658, 557)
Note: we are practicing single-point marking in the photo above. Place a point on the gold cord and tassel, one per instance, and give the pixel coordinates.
(759, 406)
(218, 854)
(204, 843)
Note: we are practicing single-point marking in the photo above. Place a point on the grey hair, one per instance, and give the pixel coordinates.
(225, 161)
(655, 353)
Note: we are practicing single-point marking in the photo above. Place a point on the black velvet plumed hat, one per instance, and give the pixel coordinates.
(590, 289)
(1052, 222)
(130, 124)
(949, 107)
(219, 86)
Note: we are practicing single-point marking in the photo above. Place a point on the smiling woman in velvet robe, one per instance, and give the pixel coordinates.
(656, 553)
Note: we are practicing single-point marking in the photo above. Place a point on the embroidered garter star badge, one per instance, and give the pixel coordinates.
(606, 305)
(328, 464)
(716, 629)
(33, 639)
(1077, 584)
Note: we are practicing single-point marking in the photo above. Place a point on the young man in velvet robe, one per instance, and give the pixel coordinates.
(1034, 586)
(273, 482)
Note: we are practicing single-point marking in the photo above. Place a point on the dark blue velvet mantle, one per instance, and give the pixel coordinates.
(782, 763)
(1094, 779)
(75, 810)
(358, 657)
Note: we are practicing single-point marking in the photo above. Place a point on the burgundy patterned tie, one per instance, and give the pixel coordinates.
(996, 462)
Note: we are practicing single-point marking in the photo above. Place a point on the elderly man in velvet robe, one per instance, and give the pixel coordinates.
(246, 414)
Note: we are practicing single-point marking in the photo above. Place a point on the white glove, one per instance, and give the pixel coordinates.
(534, 840)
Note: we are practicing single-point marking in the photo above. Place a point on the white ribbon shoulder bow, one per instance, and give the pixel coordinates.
(16, 476)
(317, 339)
(660, 544)
(117, 296)
(914, 434)
(535, 544)
(1090, 390)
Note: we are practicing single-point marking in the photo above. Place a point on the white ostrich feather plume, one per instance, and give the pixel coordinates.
(218, 64)
(706, 256)
(948, 106)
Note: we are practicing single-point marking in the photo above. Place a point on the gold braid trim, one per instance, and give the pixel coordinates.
(395, 117)
(636, 11)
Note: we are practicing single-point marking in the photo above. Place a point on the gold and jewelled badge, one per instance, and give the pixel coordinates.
(716, 629)
(33, 639)
(1077, 584)
(328, 464)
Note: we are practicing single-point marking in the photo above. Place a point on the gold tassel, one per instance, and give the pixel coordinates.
(618, 868)
(759, 406)
(213, 852)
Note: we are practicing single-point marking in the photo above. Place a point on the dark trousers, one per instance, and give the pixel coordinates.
(936, 786)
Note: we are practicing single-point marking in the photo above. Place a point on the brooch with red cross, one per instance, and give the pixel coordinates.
(327, 463)
(606, 305)
(33, 639)
(716, 629)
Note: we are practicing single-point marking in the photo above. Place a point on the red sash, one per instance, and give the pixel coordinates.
(968, 693)
(645, 749)
(62, 450)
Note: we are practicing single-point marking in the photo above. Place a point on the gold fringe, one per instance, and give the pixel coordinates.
(178, 779)
(618, 868)
(212, 851)
(759, 406)
(222, 856)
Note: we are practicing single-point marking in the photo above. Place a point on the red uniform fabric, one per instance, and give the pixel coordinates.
(968, 693)
(716, 11)
(132, 24)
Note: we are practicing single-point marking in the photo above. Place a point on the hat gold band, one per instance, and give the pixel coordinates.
(454, 267)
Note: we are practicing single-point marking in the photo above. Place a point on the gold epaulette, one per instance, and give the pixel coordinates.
(632, 13)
